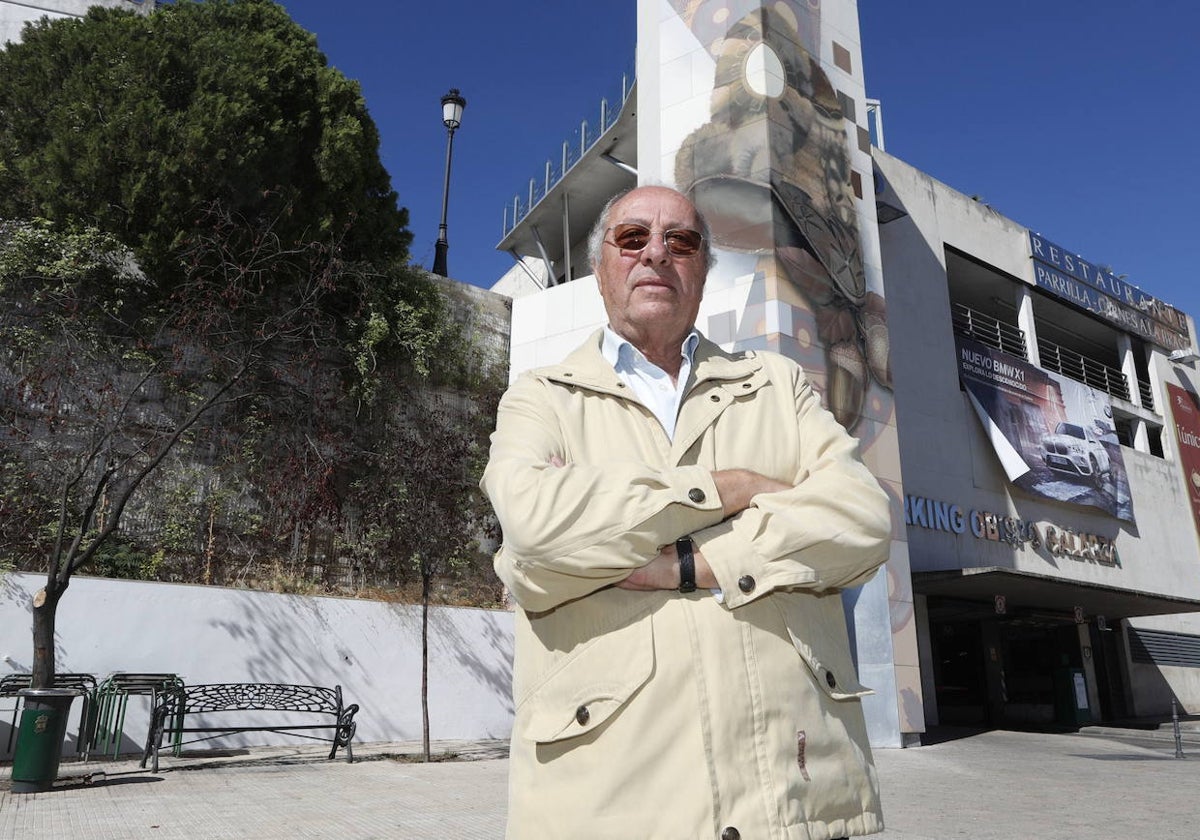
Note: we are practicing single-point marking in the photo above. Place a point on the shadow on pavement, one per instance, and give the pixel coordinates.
(1125, 757)
(79, 783)
(943, 734)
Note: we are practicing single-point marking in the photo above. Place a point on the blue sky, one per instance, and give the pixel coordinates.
(1077, 119)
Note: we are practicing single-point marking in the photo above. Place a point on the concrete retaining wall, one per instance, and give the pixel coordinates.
(210, 634)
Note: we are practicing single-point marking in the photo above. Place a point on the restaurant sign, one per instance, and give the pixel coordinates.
(1099, 291)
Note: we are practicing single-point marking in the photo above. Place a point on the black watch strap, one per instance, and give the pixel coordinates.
(687, 564)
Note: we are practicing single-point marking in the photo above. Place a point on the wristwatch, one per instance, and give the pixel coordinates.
(687, 564)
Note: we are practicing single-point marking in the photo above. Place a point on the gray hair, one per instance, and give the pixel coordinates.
(595, 242)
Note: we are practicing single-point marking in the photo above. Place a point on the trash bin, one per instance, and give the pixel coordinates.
(40, 738)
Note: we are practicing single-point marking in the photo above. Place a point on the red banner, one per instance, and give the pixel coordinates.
(1185, 410)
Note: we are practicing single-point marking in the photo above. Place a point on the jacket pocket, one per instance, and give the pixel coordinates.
(817, 627)
(590, 684)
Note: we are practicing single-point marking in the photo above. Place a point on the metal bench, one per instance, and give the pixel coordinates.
(82, 684)
(194, 713)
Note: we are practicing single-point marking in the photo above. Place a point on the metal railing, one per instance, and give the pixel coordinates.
(986, 329)
(1147, 394)
(572, 150)
(989, 330)
(1082, 369)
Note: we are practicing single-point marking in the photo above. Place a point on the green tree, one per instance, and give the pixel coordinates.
(134, 125)
(420, 496)
(97, 390)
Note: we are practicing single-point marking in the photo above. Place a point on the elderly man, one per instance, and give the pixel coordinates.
(678, 521)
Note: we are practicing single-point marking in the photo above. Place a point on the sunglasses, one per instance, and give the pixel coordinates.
(679, 242)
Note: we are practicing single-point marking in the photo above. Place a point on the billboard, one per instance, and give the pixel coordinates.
(1185, 412)
(1054, 436)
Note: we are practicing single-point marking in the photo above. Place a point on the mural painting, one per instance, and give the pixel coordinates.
(771, 171)
(758, 106)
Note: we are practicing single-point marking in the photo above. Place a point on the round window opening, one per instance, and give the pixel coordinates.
(764, 72)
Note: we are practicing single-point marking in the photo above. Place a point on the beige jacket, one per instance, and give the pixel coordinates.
(662, 715)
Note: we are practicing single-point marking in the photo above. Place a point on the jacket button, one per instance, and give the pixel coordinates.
(746, 584)
(731, 833)
(582, 715)
(830, 679)
(715, 398)
(697, 495)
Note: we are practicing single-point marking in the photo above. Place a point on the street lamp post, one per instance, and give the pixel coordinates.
(453, 104)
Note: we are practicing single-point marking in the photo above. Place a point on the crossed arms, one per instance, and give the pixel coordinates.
(572, 526)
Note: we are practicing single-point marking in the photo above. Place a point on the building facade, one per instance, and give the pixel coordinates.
(14, 16)
(1046, 414)
(1030, 414)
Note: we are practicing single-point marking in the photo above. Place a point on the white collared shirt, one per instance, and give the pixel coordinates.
(649, 383)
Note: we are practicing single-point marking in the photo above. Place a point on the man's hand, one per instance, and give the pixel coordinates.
(738, 488)
(663, 572)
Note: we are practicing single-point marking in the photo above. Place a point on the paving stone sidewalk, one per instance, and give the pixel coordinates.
(997, 785)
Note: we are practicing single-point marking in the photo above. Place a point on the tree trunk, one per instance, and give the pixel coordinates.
(45, 610)
(425, 663)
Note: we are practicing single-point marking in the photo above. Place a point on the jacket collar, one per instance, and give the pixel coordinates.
(586, 367)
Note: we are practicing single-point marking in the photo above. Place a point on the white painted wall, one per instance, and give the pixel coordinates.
(210, 634)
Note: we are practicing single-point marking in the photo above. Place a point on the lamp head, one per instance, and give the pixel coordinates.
(453, 104)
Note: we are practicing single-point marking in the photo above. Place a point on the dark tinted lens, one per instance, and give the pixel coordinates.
(683, 242)
(631, 237)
